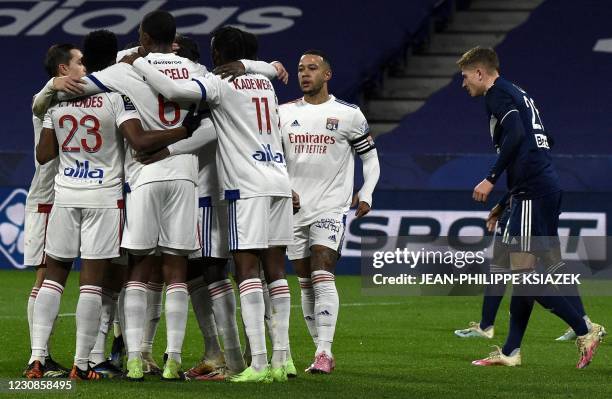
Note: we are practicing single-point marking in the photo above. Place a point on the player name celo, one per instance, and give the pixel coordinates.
(477, 279)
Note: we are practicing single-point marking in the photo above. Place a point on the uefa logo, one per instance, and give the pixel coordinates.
(12, 217)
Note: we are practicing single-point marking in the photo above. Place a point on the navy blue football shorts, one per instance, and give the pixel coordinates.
(533, 223)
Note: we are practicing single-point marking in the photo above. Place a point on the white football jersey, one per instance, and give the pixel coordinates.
(208, 180)
(41, 189)
(90, 149)
(155, 112)
(250, 158)
(320, 142)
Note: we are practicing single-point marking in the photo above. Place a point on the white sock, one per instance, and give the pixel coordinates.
(326, 309)
(224, 309)
(109, 300)
(308, 303)
(119, 322)
(134, 309)
(31, 301)
(154, 309)
(281, 309)
(253, 311)
(268, 305)
(88, 311)
(46, 309)
(203, 309)
(177, 305)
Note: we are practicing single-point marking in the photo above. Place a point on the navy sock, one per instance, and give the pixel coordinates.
(490, 304)
(576, 303)
(520, 311)
(562, 308)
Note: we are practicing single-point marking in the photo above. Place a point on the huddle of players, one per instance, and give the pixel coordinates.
(526, 219)
(136, 166)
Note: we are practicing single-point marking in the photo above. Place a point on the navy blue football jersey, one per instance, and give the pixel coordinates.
(530, 171)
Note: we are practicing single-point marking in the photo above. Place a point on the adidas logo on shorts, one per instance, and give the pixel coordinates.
(332, 238)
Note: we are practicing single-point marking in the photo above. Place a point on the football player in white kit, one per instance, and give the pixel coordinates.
(161, 199)
(87, 218)
(210, 289)
(253, 179)
(321, 135)
(61, 60)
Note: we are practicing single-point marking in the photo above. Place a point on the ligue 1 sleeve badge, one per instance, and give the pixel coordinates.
(331, 124)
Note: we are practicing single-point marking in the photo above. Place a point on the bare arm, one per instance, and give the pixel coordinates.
(201, 136)
(150, 140)
(47, 148)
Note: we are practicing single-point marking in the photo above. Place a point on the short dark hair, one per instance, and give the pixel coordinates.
(229, 42)
(56, 55)
(160, 26)
(251, 46)
(484, 56)
(99, 50)
(188, 48)
(131, 45)
(320, 54)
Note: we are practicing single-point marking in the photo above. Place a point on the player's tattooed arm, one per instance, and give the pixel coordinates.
(48, 147)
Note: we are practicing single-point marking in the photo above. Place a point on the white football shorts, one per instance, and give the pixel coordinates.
(326, 230)
(162, 214)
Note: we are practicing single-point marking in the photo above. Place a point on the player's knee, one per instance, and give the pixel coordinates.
(323, 258)
(522, 262)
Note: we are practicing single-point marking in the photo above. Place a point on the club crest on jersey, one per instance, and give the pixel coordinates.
(295, 123)
(331, 124)
(82, 171)
(266, 154)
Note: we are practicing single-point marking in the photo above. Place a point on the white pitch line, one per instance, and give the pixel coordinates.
(348, 305)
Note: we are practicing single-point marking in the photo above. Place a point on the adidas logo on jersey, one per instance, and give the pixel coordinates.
(295, 123)
(332, 238)
(82, 171)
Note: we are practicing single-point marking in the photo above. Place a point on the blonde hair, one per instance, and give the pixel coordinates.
(486, 57)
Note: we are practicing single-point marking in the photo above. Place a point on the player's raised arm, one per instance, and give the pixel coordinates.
(237, 68)
(67, 88)
(170, 89)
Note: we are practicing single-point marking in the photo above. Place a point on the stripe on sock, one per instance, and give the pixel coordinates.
(249, 286)
(176, 287)
(136, 285)
(52, 285)
(158, 287)
(220, 288)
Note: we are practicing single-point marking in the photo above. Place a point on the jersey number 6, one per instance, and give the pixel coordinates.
(162, 111)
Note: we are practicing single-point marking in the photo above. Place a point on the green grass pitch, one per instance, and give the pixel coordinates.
(386, 347)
